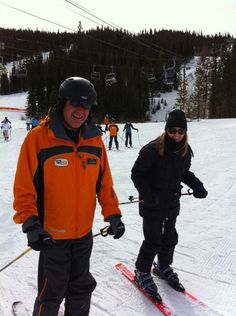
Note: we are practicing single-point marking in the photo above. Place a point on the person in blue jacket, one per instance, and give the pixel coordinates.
(128, 133)
(34, 122)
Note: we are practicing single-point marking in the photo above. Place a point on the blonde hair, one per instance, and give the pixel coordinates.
(160, 143)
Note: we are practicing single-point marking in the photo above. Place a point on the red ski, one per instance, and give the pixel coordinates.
(163, 308)
(193, 299)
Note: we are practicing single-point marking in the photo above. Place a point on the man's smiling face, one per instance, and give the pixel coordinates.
(74, 116)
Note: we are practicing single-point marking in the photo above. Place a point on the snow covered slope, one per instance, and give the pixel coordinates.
(205, 257)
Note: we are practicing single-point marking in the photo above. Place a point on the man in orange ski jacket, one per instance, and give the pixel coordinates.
(62, 169)
(113, 130)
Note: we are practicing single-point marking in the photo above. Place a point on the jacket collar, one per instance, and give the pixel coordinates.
(88, 129)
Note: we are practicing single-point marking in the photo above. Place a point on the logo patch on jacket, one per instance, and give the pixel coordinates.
(61, 162)
(91, 161)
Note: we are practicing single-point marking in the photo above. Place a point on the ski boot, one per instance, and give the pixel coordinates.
(145, 281)
(168, 275)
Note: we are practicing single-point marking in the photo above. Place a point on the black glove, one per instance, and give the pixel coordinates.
(152, 202)
(38, 238)
(117, 227)
(200, 192)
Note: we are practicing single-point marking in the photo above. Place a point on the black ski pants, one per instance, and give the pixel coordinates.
(115, 140)
(160, 238)
(63, 273)
(128, 139)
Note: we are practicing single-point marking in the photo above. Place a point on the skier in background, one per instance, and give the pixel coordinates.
(28, 123)
(106, 122)
(157, 174)
(99, 126)
(62, 169)
(6, 129)
(34, 122)
(128, 133)
(113, 130)
(6, 120)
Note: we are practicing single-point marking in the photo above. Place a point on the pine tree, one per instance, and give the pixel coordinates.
(181, 101)
(202, 87)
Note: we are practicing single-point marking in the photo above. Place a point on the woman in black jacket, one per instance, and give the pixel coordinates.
(157, 174)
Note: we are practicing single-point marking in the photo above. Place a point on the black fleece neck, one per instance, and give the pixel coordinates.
(172, 146)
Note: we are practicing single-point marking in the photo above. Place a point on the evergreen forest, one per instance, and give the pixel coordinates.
(128, 70)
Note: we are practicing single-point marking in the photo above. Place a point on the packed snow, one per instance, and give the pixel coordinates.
(205, 257)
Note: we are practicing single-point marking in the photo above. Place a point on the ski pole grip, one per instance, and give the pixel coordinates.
(104, 231)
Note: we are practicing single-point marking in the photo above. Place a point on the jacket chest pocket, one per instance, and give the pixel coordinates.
(90, 167)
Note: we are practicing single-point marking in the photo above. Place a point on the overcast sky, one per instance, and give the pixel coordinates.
(208, 16)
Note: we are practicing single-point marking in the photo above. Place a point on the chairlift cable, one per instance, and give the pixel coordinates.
(36, 16)
(90, 13)
(120, 28)
(84, 17)
(91, 37)
(88, 36)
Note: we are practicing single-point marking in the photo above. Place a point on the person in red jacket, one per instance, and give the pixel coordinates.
(62, 169)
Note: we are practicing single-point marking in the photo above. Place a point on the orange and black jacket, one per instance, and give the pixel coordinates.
(59, 181)
(113, 129)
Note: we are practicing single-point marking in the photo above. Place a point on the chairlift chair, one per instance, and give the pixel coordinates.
(143, 73)
(95, 75)
(169, 76)
(22, 73)
(21, 70)
(3, 69)
(151, 77)
(110, 78)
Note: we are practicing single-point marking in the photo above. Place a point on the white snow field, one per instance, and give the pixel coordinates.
(205, 257)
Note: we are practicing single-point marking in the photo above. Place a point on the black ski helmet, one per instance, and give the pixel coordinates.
(78, 91)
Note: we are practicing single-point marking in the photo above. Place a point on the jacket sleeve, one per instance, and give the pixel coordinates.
(189, 177)
(25, 195)
(140, 170)
(107, 197)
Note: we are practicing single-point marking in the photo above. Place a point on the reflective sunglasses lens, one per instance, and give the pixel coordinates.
(84, 106)
(173, 130)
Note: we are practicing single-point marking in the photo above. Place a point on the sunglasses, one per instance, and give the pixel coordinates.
(84, 106)
(173, 130)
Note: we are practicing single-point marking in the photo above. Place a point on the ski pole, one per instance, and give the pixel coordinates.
(131, 200)
(189, 192)
(122, 139)
(139, 139)
(14, 260)
(103, 232)
(136, 199)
